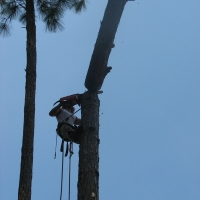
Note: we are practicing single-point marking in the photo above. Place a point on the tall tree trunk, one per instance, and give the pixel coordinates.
(88, 181)
(88, 176)
(25, 182)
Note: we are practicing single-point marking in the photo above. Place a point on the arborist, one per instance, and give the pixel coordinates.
(67, 121)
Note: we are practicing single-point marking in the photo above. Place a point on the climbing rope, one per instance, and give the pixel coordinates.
(62, 150)
(56, 145)
(70, 149)
(71, 153)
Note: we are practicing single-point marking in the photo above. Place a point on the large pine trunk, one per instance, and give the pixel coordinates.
(25, 182)
(88, 177)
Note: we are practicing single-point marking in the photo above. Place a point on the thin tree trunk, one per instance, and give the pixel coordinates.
(25, 182)
(88, 177)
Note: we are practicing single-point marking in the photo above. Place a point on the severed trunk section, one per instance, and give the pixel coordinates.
(98, 68)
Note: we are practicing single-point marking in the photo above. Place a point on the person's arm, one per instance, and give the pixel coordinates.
(77, 121)
(55, 111)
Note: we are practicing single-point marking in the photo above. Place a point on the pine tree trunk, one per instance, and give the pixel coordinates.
(25, 182)
(88, 177)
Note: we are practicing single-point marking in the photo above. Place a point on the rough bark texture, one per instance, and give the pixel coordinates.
(24, 192)
(88, 177)
(98, 65)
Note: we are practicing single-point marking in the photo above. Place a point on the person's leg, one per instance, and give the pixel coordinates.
(75, 135)
(64, 131)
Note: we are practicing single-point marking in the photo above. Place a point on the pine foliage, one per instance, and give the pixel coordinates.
(50, 11)
(9, 10)
(79, 5)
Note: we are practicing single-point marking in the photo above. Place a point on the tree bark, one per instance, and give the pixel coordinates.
(88, 177)
(25, 182)
(98, 65)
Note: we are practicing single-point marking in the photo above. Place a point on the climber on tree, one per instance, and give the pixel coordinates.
(67, 121)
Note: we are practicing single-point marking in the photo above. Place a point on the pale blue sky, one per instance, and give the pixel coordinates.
(150, 106)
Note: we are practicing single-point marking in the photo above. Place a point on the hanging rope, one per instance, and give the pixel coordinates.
(70, 149)
(56, 145)
(62, 150)
(71, 153)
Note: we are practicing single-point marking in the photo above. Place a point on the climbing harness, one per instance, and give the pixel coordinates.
(58, 127)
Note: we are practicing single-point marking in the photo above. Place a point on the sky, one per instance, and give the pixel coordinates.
(149, 108)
